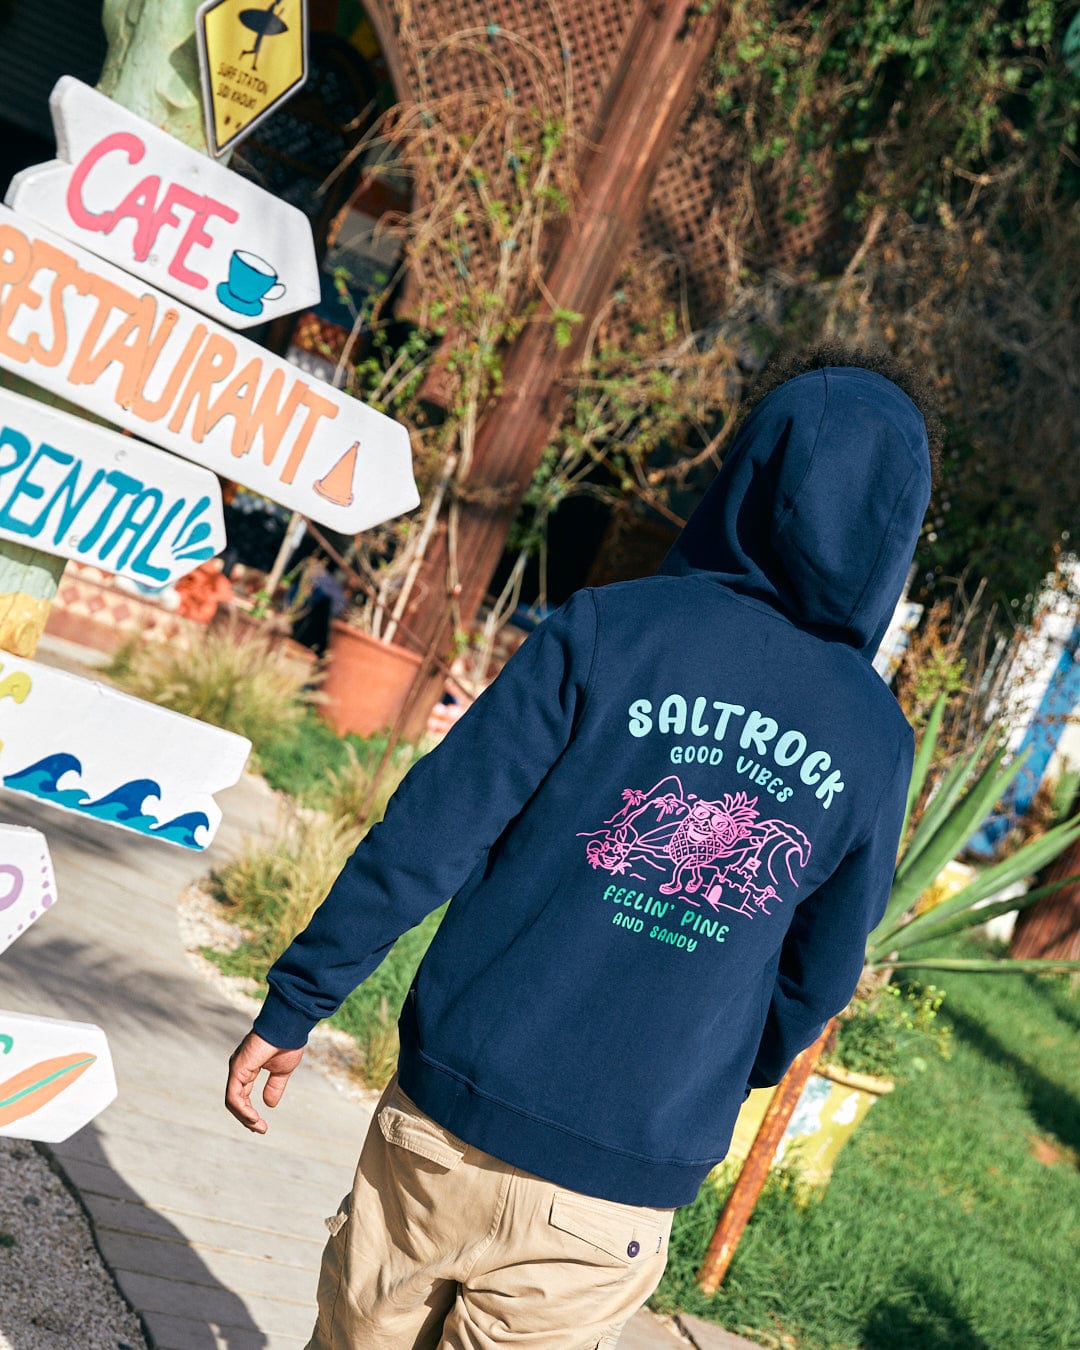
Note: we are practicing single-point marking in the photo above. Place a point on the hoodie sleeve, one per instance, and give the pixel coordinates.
(825, 948)
(451, 808)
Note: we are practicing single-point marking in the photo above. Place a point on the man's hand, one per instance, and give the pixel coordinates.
(250, 1057)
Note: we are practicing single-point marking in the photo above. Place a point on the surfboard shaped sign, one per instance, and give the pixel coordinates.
(72, 488)
(88, 749)
(84, 330)
(27, 883)
(55, 1076)
(135, 195)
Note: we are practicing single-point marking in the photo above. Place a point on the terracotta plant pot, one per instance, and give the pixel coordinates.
(366, 681)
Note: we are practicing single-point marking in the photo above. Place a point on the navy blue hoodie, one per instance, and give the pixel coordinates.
(667, 827)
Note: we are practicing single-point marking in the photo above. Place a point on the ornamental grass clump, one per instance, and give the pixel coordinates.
(230, 676)
(360, 788)
(272, 891)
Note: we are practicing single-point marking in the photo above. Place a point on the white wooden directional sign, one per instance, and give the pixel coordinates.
(55, 1076)
(135, 195)
(80, 327)
(84, 747)
(72, 488)
(27, 883)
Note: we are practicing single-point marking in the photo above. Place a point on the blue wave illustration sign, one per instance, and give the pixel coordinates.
(74, 489)
(103, 755)
(126, 805)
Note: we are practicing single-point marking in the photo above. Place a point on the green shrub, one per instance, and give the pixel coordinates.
(332, 773)
(370, 1012)
(891, 1032)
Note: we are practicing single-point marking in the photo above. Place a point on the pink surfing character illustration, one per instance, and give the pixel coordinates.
(719, 845)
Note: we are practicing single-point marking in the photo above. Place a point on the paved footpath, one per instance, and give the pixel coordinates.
(213, 1235)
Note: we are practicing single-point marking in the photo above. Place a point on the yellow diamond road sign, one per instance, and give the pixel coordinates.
(252, 57)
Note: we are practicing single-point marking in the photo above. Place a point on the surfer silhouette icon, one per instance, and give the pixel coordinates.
(251, 281)
(263, 23)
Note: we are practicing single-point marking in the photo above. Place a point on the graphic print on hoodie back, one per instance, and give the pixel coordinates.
(667, 827)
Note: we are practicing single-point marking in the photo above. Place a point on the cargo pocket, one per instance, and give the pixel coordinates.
(404, 1124)
(625, 1234)
(331, 1275)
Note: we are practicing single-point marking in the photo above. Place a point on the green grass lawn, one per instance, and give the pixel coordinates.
(952, 1221)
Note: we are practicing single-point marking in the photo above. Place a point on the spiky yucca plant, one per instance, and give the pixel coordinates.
(962, 801)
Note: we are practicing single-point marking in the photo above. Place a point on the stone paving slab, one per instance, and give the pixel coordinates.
(199, 1263)
(153, 1109)
(140, 1221)
(183, 1333)
(172, 1166)
(220, 1307)
(647, 1332)
(708, 1336)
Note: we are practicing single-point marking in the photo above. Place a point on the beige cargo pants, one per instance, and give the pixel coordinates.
(442, 1245)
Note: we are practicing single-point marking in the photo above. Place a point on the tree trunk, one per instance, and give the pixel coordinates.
(1050, 928)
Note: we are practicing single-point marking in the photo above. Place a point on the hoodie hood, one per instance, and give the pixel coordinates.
(818, 506)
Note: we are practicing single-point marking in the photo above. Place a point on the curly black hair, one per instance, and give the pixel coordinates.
(786, 365)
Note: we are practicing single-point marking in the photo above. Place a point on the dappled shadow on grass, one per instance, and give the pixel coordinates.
(918, 1316)
(1056, 1110)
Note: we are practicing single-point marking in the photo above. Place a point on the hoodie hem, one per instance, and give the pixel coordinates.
(539, 1147)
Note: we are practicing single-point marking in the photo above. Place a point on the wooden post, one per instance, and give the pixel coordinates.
(151, 70)
(650, 90)
(748, 1186)
(1050, 928)
(28, 582)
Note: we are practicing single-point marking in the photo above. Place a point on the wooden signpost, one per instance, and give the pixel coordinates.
(79, 327)
(27, 883)
(89, 749)
(87, 331)
(55, 1076)
(137, 197)
(73, 489)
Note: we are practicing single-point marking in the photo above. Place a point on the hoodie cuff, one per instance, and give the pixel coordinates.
(282, 1025)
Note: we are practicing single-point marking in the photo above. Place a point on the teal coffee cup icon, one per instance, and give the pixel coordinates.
(251, 281)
